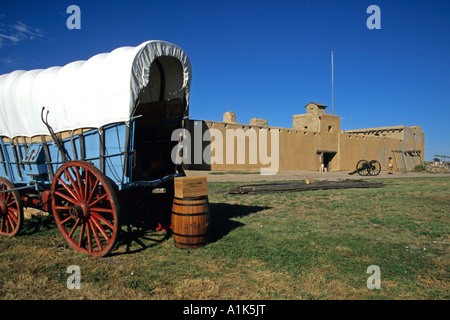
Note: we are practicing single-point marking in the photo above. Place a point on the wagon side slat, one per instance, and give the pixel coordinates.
(7, 162)
(3, 160)
(48, 160)
(16, 160)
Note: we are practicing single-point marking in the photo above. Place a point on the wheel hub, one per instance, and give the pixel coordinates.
(3, 207)
(80, 211)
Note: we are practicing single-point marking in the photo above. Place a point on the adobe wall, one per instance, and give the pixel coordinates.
(295, 147)
(379, 143)
(300, 147)
(354, 147)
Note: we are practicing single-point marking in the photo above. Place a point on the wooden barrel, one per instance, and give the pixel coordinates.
(190, 222)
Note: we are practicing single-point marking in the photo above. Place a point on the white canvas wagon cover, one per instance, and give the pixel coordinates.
(88, 94)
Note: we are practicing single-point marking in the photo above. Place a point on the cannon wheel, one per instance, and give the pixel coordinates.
(374, 167)
(85, 208)
(11, 209)
(362, 167)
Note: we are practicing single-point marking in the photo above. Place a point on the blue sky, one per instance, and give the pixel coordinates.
(265, 59)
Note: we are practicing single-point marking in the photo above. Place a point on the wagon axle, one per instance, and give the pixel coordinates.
(80, 210)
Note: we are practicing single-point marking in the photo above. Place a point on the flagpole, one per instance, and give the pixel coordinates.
(332, 84)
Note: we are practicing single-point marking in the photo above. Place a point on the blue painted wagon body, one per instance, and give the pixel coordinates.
(83, 140)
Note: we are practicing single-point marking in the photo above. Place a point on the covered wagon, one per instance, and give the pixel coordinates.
(76, 140)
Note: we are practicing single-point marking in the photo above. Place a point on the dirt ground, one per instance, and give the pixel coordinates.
(302, 175)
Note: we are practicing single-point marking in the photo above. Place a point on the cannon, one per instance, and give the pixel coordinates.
(84, 140)
(367, 168)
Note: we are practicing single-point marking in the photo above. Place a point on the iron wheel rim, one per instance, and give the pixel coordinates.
(375, 167)
(362, 167)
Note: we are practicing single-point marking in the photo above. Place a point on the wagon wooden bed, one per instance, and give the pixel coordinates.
(79, 141)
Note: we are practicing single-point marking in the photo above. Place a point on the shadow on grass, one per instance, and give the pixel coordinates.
(136, 239)
(142, 215)
(222, 215)
(133, 240)
(37, 224)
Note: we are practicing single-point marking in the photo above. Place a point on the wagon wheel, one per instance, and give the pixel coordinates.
(374, 167)
(85, 208)
(11, 209)
(362, 167)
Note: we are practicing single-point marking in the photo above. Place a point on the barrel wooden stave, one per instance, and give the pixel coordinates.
(191, 220)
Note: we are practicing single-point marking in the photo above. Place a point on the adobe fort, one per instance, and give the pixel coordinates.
(315, 142)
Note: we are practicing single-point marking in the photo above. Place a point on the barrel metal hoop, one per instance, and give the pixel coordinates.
(191, 214)
(192, 198)
(190, 235)
(190, 204)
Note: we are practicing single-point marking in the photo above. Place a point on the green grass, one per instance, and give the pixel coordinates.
(293, 245)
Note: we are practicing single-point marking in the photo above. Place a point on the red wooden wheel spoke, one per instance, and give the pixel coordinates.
(7, 196)
(79, 184)
(71, 191)
(86, 211)
(102, 219)
(97, 209)
(74, 184)
(73, 180)
(97, 238)
(15, 210)
(12, 219)
(81, 237)
(74, 228)
(87, 178)
(98, 200)
(88, 232)
(94, 190)
(99, 228)
(69, 218)
(7, 225)
(10, 204)
(62, 208)
(62, 195)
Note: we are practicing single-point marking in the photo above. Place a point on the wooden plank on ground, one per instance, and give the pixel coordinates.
(303, 186)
